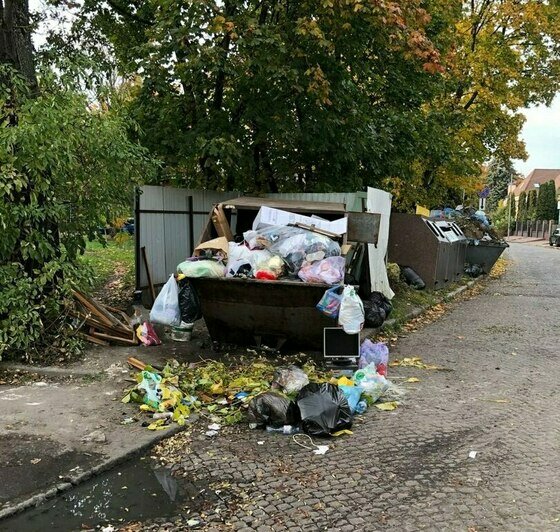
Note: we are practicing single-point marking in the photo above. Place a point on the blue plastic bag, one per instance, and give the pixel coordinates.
(374, 353)
(352, 394)
(330, 302)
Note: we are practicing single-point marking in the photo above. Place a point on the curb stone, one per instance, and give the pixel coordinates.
(111, 463)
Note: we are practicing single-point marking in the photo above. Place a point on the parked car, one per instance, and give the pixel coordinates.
(128, 226)
(554, 238)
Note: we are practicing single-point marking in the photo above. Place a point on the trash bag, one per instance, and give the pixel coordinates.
(372, 384)
(271, 268)
(242, 261)
(328, 271)
(189, 303)
(473, 270)
(329, 304)
(273, 409)
(324, 409)
(291, 379)
(377, 309)
(352, 394)
(412, 278)
(201, 268)
(351, 315)
(165, 309)
(376, 354)
(293, 244)
(147, 335)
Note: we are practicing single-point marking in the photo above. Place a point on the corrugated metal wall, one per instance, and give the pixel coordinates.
(168, 223)
(170, 220)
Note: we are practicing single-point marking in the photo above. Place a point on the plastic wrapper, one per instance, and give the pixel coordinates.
(376, 354)
(328, 271)
(324, 409)
(351, 315)
(272, 409)
(352, 394)
(146, 334)
(293, 244)
(329, 304)
(202, 268)
(372, 384)
(271, 268)
(243, 261)
(291, 379)
(377, 309)
(165, 309)
(189, 302)
(412, 278)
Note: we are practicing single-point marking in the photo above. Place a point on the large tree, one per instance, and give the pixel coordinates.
(64, 164)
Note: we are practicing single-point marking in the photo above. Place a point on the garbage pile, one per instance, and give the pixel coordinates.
(281, 245)
(286, 399)
(474, 223)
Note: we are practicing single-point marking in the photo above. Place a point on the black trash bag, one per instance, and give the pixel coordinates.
(324, 409)
(412, 278)
(273, 409)
(189, 303)
(376, 309)
(474, 270)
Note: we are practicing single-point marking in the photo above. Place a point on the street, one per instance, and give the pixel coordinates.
(410, 469)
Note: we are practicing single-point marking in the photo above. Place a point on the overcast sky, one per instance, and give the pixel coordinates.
(541, 134)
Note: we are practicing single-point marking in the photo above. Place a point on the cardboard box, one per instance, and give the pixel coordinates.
(269, 216)
(220, 244)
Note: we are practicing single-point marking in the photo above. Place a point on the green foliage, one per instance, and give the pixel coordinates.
(546, 202)
(65, 165)
(532, 205)
(522, 207)
(500, 174)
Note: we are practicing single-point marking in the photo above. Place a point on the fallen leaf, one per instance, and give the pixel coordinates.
(341, 432)
(391, 405)
(415, 362)
(412, 379)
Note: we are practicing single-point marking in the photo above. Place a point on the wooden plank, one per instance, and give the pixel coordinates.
(97, 309)
(89, 320)
(148, 274)
(92, 339)
(111, 338)
(221, 224)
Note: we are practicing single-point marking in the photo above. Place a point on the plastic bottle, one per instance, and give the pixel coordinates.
(286, 429)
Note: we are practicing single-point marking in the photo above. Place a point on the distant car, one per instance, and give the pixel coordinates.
(554, 238)
(128, 226)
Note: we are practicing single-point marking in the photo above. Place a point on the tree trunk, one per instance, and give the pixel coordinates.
(16, 48)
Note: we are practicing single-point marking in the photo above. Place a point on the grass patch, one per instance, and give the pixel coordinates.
(112, 264)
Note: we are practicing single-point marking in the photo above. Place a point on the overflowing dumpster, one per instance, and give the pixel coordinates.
(484, 253)
(271, 309)
(435, 249)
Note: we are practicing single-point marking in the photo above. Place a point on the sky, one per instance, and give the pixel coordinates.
(541, 134)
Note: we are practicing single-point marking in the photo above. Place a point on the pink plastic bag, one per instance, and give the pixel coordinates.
(328, 271)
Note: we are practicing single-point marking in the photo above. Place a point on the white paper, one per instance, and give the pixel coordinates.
(379, 201)
(269, 216)
(321, 449)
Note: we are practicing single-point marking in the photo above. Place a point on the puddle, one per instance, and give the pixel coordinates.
(134, 492)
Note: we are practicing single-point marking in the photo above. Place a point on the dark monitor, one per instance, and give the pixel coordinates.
(338, 344)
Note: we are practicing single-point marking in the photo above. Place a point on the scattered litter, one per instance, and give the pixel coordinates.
(473, 454)
(108, 528)
(415, 362)
(290, 379)
(35, 460)
(128, 421)
(319, 449)
(260, 443)
(214, 426)
(412, 379)
(193, 522)
(390, 405)
(211, 433)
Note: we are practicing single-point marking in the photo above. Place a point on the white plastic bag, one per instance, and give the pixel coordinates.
(166, 306)
(351, 315)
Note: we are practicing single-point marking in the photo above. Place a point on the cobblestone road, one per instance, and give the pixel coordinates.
(410, 469)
